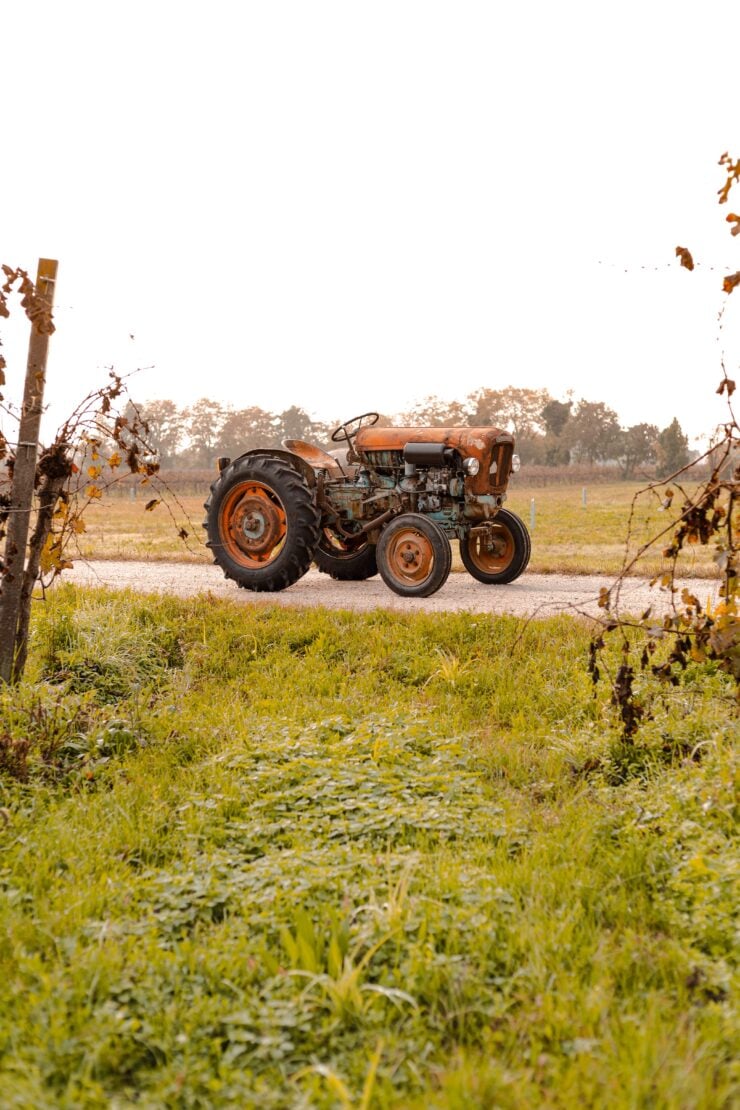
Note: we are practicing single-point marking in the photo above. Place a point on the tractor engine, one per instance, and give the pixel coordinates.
(456, 476)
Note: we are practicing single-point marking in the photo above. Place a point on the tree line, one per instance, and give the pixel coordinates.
(548, 431)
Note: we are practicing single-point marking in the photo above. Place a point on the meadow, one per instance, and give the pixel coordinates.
(254, 857)
(568, 537)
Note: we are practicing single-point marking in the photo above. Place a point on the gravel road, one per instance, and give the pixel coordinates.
(541, 594)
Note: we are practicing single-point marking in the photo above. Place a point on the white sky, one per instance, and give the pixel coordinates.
(348, 206)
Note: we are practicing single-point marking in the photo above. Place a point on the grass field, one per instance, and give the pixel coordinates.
(258, 858)
(567, 537)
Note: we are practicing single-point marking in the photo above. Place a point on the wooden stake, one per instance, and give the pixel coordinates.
(24, 475)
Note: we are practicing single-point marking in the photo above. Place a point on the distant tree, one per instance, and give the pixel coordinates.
(638, 447)
(433, 412)
(516, 410)
(555, 451)
(593, 432)
(166, 428)
(244, 429)
(555, 417)
(294, 423)
(672, 449)
(203, 426)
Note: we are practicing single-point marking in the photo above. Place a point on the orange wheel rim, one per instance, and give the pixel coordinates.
(410, 556)
(492, 551)
(252, 524)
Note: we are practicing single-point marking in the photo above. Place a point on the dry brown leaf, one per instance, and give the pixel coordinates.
(684, 254)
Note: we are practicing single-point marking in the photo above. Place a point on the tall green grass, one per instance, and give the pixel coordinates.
(277, 859)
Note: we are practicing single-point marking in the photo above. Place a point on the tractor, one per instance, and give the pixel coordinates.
(386, 500)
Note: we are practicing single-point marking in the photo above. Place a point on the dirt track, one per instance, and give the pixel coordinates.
(543, 594)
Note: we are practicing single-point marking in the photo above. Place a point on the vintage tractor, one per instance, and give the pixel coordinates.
(389, 500)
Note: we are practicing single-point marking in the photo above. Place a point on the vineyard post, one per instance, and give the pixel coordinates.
(24, 475)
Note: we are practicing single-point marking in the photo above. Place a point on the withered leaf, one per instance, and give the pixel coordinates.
(730, 282)
(684, 254)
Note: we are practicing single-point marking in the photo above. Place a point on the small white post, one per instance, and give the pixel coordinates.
(583, 497)
(532, 514)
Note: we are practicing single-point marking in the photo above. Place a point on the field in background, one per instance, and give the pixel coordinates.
(323, 859)
(567, 538)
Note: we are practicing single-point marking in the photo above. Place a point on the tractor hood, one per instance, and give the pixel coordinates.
(468, 441)
(488, 445)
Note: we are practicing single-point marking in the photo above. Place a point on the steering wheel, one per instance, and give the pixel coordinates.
(346, 432)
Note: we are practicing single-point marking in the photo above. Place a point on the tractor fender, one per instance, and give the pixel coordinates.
(289, 457)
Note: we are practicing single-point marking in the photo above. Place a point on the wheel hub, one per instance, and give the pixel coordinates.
(493, 550)
(495, 545)
(257, 524)
(411, 556)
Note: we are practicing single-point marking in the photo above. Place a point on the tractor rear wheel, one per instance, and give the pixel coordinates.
(339, 560)
(414, 555)
(501, 553)
(262, 523)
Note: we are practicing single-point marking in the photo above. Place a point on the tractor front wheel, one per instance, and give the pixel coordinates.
(414, 555)
(500, 553)
(262, 523)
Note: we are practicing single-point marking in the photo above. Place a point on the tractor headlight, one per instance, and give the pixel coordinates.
(471, 466)
(516, 463)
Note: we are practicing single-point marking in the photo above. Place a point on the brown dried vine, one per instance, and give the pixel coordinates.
(708, 515)
(103, 441)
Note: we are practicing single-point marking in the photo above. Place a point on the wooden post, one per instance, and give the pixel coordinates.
(24, 475)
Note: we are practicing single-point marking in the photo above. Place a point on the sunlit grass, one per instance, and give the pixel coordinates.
(274, 859)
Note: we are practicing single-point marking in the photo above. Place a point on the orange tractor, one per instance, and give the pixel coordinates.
(387, 500)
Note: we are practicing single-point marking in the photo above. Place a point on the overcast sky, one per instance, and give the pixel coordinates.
(348, 206)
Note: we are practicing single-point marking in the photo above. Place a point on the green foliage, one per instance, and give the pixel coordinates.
(639, 447)
(593, 432)
(324, 859)
(672, 449)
